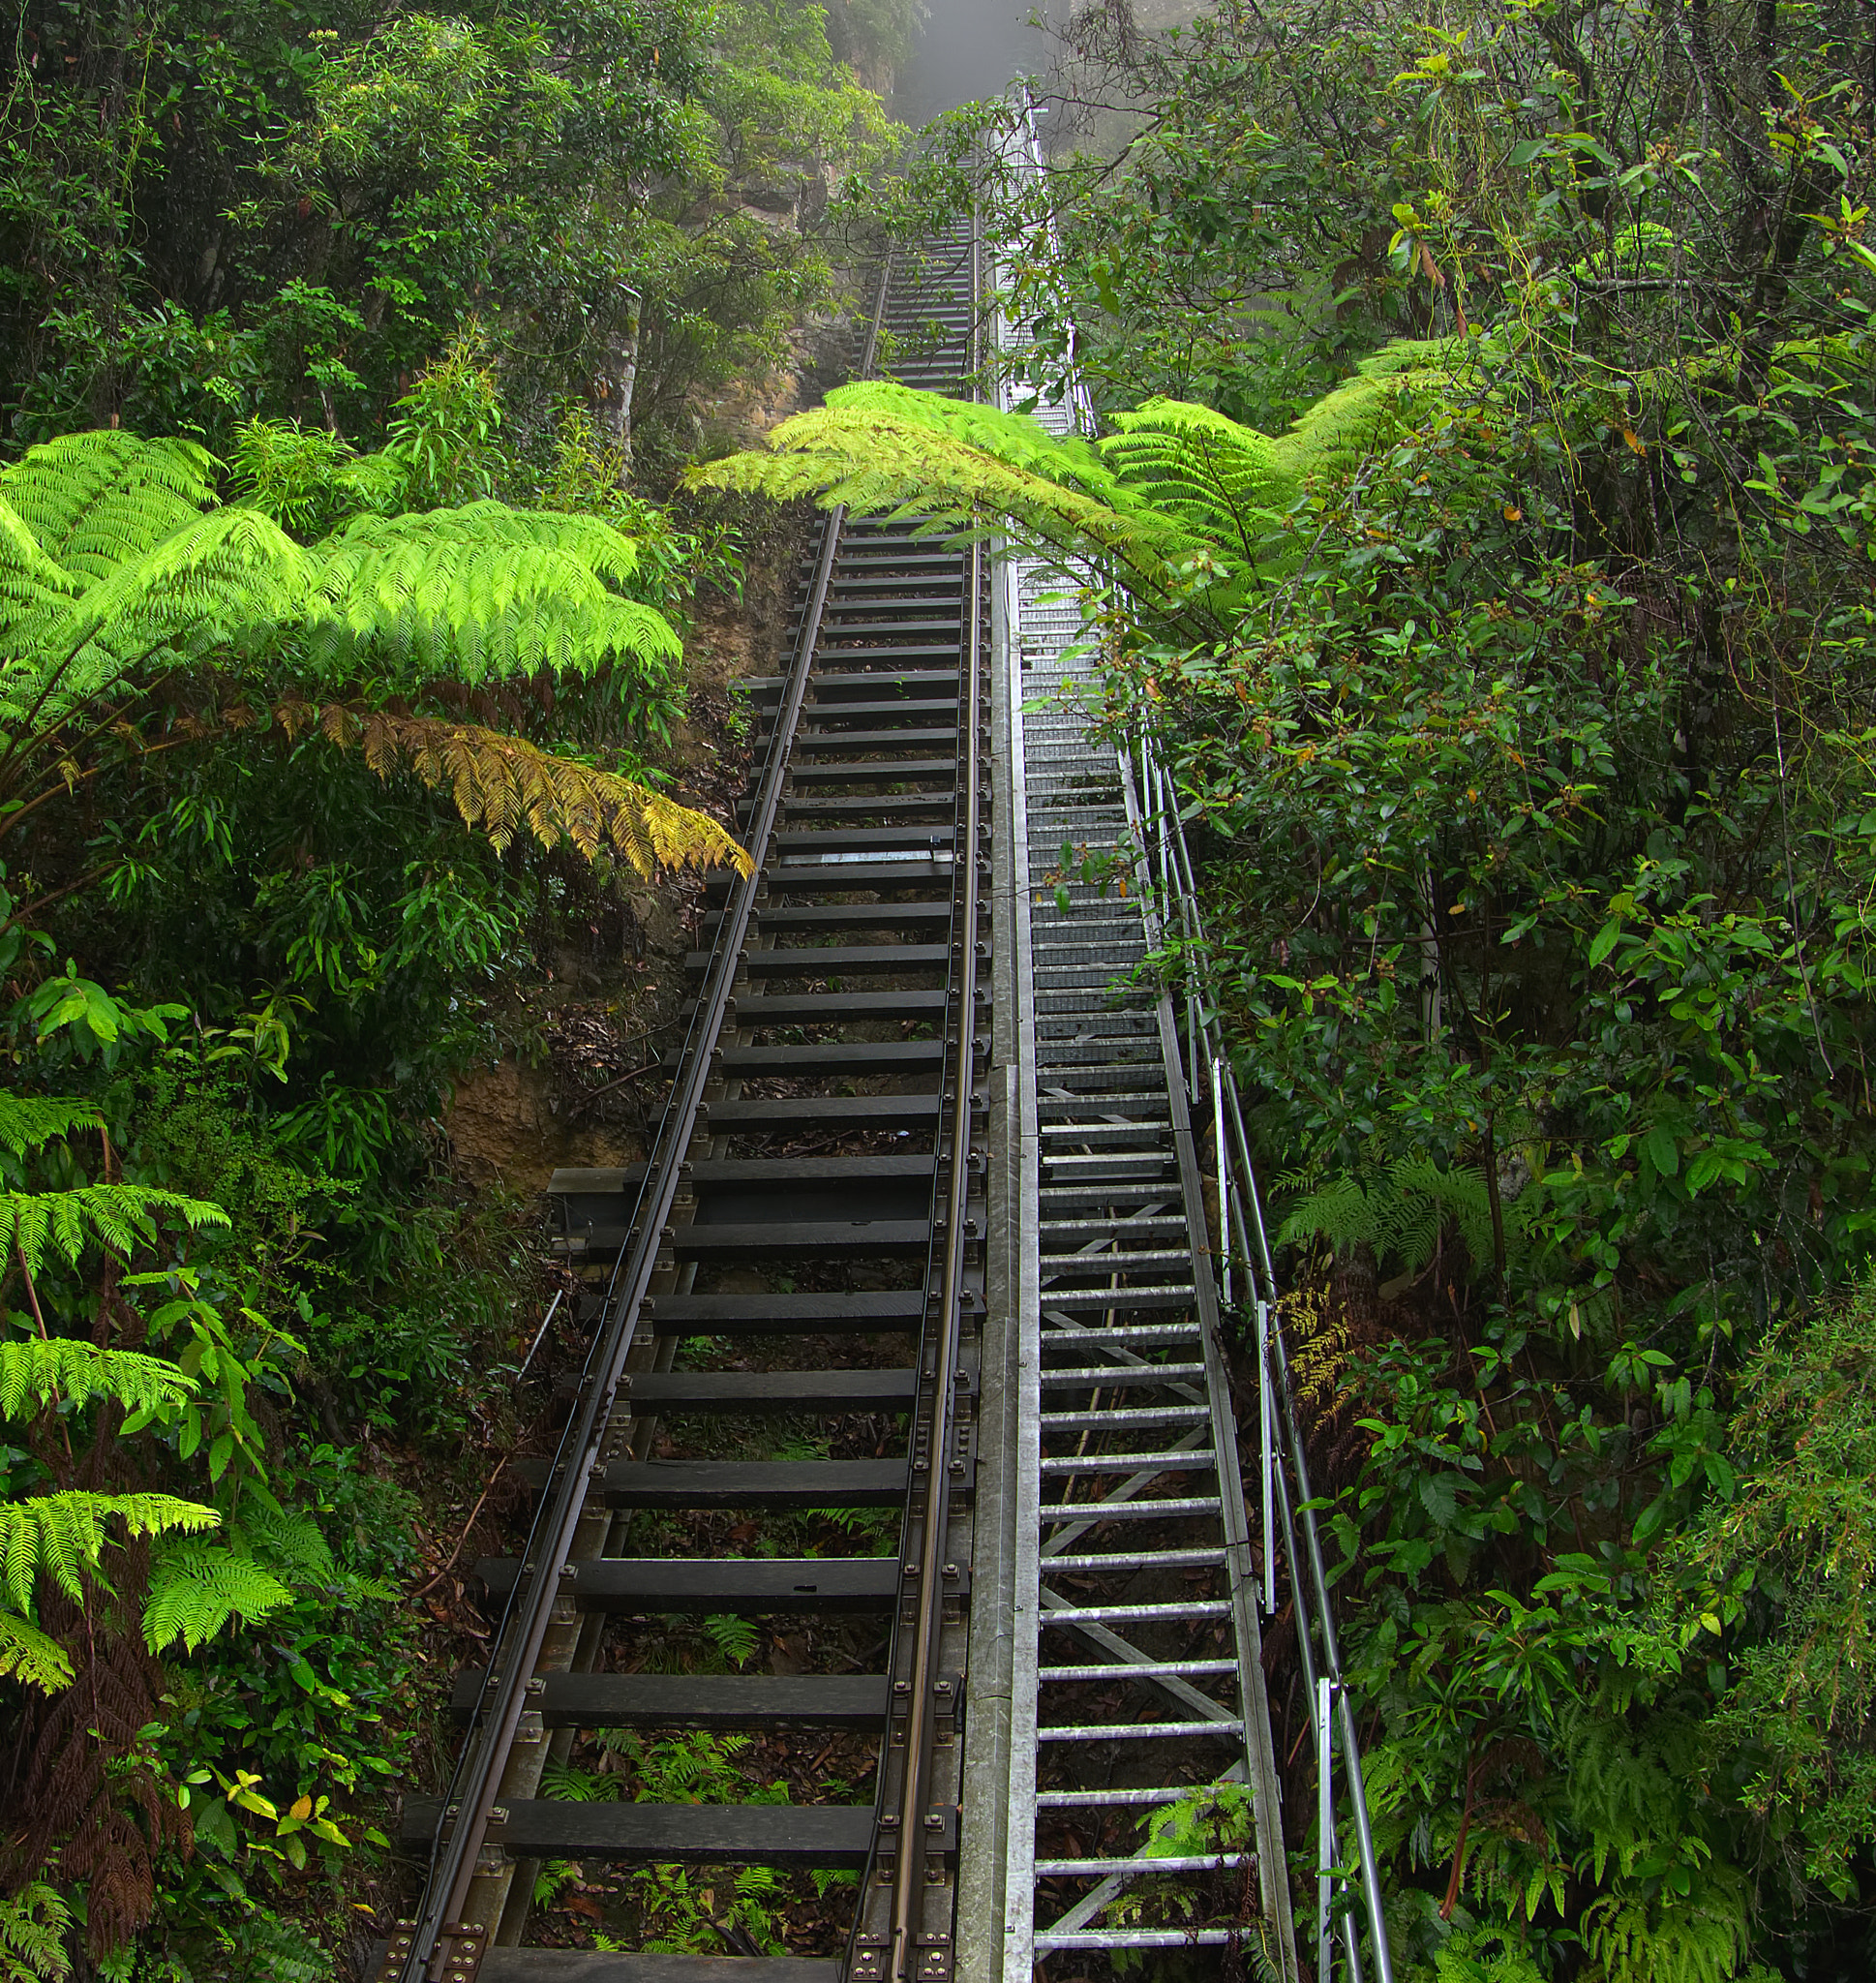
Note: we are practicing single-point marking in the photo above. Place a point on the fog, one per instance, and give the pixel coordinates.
(971, 48)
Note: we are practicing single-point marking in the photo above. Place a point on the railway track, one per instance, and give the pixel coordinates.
(918, 1288)
(811, 1211)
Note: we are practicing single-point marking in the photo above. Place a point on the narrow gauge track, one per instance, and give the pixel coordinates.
(814, 1197)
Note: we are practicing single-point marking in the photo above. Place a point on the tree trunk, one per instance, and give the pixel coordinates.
(612, 387)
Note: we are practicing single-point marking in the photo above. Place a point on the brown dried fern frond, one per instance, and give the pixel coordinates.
(89, 1807)
(502, 783)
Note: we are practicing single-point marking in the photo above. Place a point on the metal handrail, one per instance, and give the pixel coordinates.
(1281, 1440)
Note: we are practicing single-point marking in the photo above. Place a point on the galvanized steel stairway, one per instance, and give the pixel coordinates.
(1137, 1654)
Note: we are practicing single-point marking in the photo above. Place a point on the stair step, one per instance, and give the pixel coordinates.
(780, 1835)
(698, 1700)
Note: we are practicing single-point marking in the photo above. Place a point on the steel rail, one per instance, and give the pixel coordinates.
(442, 1939)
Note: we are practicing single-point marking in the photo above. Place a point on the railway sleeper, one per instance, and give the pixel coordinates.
(710, 1586)
(856, 1702)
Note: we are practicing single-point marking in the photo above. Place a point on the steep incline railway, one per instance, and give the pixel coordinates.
(813, 1199)
(917, 1267)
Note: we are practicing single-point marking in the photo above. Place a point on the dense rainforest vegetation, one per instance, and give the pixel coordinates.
(342, 352)
(1481, 521)
(1482, 525)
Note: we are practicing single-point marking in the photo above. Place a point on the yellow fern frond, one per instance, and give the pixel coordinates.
(501, 783)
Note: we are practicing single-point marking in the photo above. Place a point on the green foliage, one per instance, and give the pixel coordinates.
(1779, 1573)
(119, 1217)
(197, 1588)
(33, 1925)
(40, 1370)
(1402, 1215)
(64, 1535)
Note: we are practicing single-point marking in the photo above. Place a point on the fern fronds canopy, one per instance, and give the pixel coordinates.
(29, 1121)
(37, 1370)
(196, 1587)
(479, 593)
(65, 1534)
(1176, 488)
(501, 784)
(115, 558)
(888, 450)
(1402, 1214)
(32, 1656)
(97, 501)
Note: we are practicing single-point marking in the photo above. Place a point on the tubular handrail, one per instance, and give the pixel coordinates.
(1283, 1459)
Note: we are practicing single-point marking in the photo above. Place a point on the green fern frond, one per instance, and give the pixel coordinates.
(1372, 410)
(64, 1535)
(119, 1217)
(1403, 1213)
(33, 1927)
(736, 1639)
(480, 593)
(887, 451)
(197, 1587)
(219, 575)
(286, 1539)
(1225, 482)
(1175, 482)
(32, 585)
(29, 1121)
(217, 578)
(31, 1656)
(1702, 1937)
(100, 500)
(39, 1370)
(567, 1783)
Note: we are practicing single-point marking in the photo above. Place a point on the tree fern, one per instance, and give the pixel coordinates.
(120, 1217)
(64, 1535)
(888, 450)
(501, 783)
(286, 1540)
(1702, 1937)
(32, 1657)
(478, 593)
(216, 579)
(29, 1121)
(1176, 483)
(94, 502)
(1224, 481)
(32, 585)
(114, 562)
